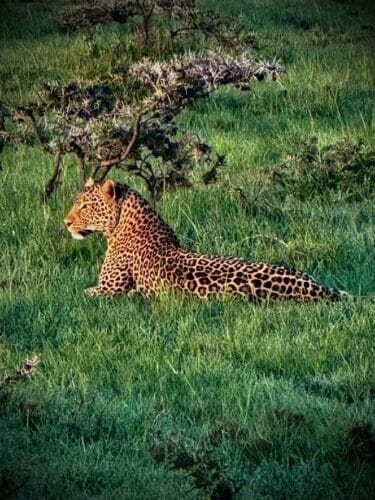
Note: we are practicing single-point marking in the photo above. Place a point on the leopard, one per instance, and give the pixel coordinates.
(144, 255)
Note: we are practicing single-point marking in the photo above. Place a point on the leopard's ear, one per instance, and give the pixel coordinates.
(109, 190)
(90, 182)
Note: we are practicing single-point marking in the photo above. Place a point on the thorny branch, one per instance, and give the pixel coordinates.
(103, 128)
(108, 164)
(179, 18)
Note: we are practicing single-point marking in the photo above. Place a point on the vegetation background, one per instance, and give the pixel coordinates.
(171, 397)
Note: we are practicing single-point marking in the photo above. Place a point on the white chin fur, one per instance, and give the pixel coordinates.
(77, 236)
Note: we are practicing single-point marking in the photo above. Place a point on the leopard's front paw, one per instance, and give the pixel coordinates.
(94, 291)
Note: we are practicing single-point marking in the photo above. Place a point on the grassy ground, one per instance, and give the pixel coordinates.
(171, 397)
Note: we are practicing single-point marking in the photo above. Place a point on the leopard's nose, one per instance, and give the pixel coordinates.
(68, 222)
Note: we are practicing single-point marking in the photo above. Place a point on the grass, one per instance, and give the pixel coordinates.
(171, 397)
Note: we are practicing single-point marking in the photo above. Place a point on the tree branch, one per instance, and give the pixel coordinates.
(108, 164)
(54, 180)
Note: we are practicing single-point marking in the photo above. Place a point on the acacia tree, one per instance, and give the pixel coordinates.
(104, 128)
(178, 18)
(107, 124)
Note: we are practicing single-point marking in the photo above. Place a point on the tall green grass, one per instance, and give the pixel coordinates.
(171, 397)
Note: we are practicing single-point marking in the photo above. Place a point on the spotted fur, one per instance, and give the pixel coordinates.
(144, 254)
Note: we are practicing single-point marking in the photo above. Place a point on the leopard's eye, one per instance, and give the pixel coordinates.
(83, 206)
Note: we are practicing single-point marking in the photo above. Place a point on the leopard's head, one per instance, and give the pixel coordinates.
(96, 208)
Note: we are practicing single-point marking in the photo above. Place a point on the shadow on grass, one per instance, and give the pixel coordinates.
(25, 21)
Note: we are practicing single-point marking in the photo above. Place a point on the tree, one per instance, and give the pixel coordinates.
(179, 18)
(104, 128)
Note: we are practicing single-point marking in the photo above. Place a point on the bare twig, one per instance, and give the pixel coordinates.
(51, 185)
(26, 370)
